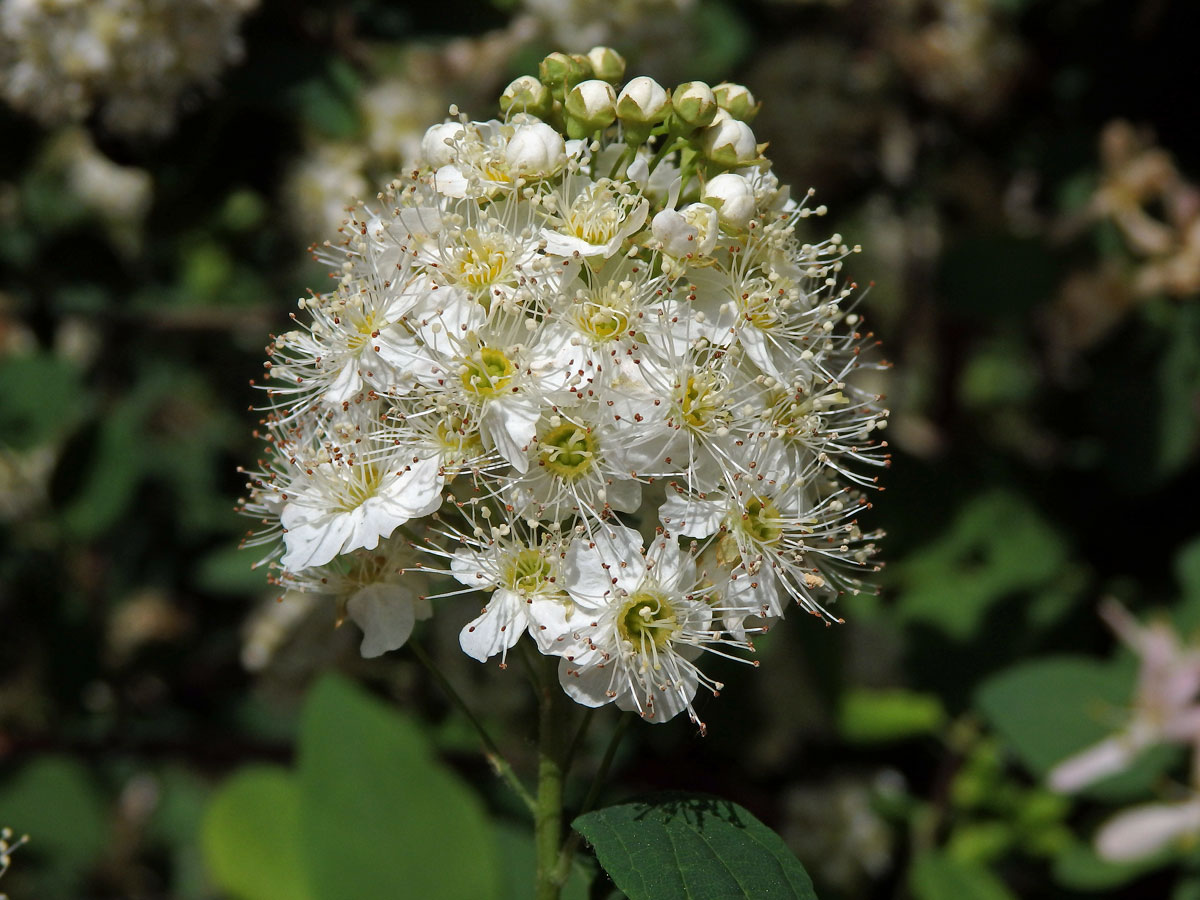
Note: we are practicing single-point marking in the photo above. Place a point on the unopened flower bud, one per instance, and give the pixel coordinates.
(694, 103)
(733, 198)
(434, 147)
(607, 64)
(528, 95)
(736, 100)
(643, 102)
(561, 72)
(590, 106)
(728, 142)
(535, 149)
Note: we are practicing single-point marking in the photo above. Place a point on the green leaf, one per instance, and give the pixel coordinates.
(867, 715)
(383, 816)
(1080, 869)
(691, 847)
(997, 546)
(1187, 573)
(937, 877)
(113, 472)
(43, 399)
(54, 801)
(1179, 388)
(1050, 709)
(228, 571)
(251, 836)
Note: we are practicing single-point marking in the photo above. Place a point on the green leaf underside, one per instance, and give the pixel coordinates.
(937, 877)
(1081, 869)
(1050, 709)
(385, 818)
(251, 836)
(692, 847)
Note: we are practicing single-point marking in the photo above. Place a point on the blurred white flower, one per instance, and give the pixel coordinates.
(1165, 705)
(133, 59)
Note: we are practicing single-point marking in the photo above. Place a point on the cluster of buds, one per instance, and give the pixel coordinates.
(582, 362)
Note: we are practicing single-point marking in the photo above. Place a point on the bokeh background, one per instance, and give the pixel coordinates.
(1021, 177)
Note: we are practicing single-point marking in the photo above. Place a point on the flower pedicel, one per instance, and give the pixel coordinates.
(582, 362)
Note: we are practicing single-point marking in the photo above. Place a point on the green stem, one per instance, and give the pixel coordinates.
(571, 846)
(490, 751)
(551, 772)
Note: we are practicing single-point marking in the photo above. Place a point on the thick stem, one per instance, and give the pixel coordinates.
(552, 751)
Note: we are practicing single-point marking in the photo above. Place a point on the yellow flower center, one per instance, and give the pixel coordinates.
(568, 450)
(487, 372)
(647, 618)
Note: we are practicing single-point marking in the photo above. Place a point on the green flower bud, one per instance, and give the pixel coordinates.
(607, 64)
(526, 94)
(590, 106)
(561, 72)
(736, 100)
(694, 103)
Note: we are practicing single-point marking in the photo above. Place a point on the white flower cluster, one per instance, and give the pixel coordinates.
(600, 379)
(133, 58)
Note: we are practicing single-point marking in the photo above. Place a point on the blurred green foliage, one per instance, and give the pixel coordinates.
(163, 729)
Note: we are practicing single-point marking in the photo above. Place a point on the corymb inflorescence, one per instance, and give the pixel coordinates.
(586, 361)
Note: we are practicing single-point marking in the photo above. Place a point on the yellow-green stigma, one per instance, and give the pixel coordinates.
(647, 617)
(527, 572)
(699, 400)
(603, 315)
(457, 440)
(359, 486)
(568, 450)
(487, 372)
(759, 521)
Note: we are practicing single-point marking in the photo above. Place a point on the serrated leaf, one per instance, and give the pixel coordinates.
(251, 836)
(692, 847)
(386, 815)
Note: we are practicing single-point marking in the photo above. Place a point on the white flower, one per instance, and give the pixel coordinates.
(648, 621)
(694, 103)
(524, 576)
(129, 60)
(689, 233)
(343, 503)
(594, 222)
(1165, 707)
(1146, 830)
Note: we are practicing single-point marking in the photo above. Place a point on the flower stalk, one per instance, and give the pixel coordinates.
(552, 765)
